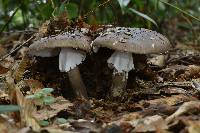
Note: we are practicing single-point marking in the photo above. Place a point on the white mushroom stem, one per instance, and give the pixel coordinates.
(68, 60)
(119, 82)
(122, 63)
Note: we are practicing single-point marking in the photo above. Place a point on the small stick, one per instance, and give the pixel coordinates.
(90, 12)
(17, 48)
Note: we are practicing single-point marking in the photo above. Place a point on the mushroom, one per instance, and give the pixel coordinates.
(71, 48)
(126, 41)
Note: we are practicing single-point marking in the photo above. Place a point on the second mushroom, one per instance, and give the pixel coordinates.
(126, 41)
(71, 47)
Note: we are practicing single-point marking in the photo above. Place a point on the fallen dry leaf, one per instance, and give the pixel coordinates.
(7, 124)
(8, 62)
(127, 118)
(173, 100)
(34, 85)
(193, 71)
(56, 130)
(196, 84)
(149, 124)
(2, 51)
(3, 70)
(194, 126)
(23, 66)
(86, 126)
(52, 110)
(184, 108)
(28, 107)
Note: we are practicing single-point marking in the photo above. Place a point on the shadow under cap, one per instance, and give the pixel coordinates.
(134, 40)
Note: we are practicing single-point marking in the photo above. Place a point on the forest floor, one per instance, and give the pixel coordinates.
(166, 102)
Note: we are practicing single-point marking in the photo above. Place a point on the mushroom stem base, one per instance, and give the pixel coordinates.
(119, 82)
(77, 83)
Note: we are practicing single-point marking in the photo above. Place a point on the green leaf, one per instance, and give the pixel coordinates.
(31, 97)
(139, 3)
(72, 10)
(123, 3)
(157, 4)
(38, 95)
(61, 120)
(45, 9)
(55, 12)
(48, 100)
(143, 15)
(161, 6)
(62, 8)
(43, 123)
(18, 19)
(47, 90)
(59, 10)
(181, 10)
(9, 108)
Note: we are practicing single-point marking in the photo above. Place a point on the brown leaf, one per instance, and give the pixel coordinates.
(52, 110)
(2, 51)
(3, 70)
(23, 66)
(150, 123)
(8, 62)
(192, 71)
(194, 126)
(7, 124)
(184, 108)
(45, 28)
(173, 100)
(34, 85)
(28, 107)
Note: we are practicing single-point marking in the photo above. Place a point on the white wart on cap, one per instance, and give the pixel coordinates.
(134, 40)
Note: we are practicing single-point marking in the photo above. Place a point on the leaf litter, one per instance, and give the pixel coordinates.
(168, 102)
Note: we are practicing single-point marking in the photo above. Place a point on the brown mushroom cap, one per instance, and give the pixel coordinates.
(72, 39)
(135, 40)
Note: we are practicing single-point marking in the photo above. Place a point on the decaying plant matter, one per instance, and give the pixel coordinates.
(162, 104)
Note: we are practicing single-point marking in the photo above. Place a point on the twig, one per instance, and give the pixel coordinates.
(186, 84)
(90, 12)
(183, 58)
(53, 4)
(21, 31)
(17, 48)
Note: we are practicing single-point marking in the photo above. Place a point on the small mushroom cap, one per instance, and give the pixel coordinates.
(73, 39)
(134, 40)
